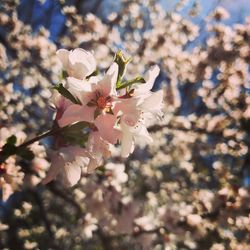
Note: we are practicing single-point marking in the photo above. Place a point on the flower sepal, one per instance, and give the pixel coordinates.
(65, 93)
(122, 64)
(76, 134)
(129, 83)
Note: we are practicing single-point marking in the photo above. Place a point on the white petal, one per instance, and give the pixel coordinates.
(141, 131)
(150, 79)
(107, 86)
(113, 73)
(63, 55)
(82, 56)
(71, 173)
(153, 102)
(79, 70)
(78, 88)
(82, 63)
(127, 144)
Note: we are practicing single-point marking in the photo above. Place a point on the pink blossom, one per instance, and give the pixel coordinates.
(97, 148)
(59, 103)
(67, 162)
(98, 100)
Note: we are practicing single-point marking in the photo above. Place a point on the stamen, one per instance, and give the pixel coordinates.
(101, 102)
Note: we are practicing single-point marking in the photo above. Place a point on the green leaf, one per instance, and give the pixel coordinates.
(95, 73)
(76, 134)
(76, 126)
(122, 63)
(97, 113)
(25, 153)
(64, 92)
(64, 74)
(8, 149)
(12, 140)
(126, 84)
(101, 170)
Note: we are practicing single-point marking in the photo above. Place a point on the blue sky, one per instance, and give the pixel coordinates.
(238, 9)
(48, 13)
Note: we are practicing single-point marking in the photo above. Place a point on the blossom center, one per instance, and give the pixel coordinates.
(101, 102)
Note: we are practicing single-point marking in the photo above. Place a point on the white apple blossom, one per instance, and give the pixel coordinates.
(78, 63)
(137, 110)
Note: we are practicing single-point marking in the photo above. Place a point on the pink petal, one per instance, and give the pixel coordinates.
(105, 124)
(92, 165)
(71, 173)
(97, 145)
(126, 106)
(76, 113)
(57, 163)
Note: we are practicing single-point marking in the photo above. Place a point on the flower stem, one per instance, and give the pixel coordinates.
(38, 138)
(12, 149)
(4, 156)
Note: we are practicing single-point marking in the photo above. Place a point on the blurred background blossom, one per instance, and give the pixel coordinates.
(187, 190)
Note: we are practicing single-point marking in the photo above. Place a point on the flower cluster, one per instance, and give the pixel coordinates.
(12, 175)
(105, 109)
